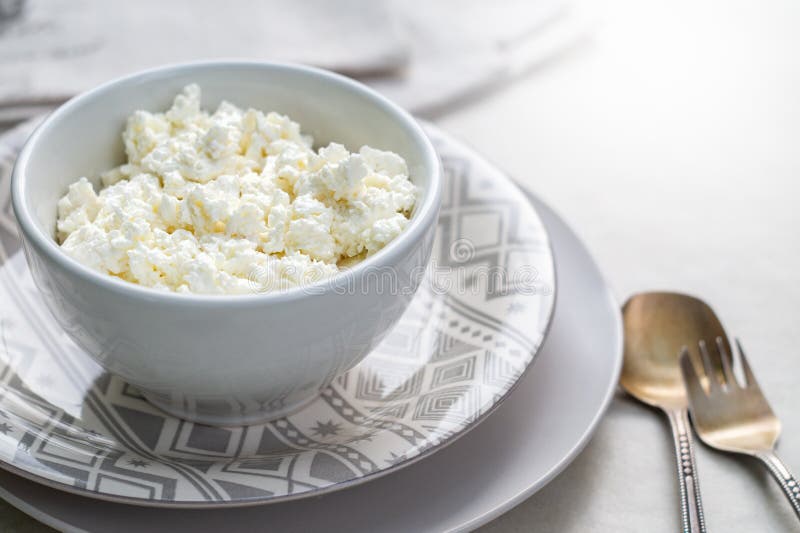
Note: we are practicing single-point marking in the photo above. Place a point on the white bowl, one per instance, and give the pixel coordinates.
(224, 359)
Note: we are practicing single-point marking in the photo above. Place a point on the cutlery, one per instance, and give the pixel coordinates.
(733, 416)
(657, 327)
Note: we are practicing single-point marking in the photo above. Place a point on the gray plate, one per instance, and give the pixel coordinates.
(458, 489)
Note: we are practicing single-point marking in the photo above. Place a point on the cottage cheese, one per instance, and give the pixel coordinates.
(232, 202)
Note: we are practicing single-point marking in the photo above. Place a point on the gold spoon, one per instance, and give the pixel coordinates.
(658, 325)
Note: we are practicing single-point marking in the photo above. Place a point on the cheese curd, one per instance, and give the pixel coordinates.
(232, 202)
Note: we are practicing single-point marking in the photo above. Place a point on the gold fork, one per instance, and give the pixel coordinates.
(735, 417)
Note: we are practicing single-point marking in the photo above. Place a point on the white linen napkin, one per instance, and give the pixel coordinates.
(56, 48)
(421, 53)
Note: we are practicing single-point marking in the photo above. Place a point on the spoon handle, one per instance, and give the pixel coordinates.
(691, 505)
(785, 478)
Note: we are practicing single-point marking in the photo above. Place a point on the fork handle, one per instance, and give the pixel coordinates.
(691, 505)
(784, 477)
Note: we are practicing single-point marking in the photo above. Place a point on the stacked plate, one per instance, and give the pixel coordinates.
(375, 446)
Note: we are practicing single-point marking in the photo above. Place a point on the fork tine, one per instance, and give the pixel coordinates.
(690, 378)
(711, 374)
(725, 358)
(749, 377)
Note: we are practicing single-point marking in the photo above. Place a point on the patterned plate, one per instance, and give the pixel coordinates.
(471, 331)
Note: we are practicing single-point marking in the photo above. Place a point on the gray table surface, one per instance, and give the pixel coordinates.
(669, 140)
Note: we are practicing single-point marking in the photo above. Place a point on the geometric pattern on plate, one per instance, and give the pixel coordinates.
(470, 332)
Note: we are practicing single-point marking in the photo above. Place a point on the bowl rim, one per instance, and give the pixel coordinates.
(426, 213)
